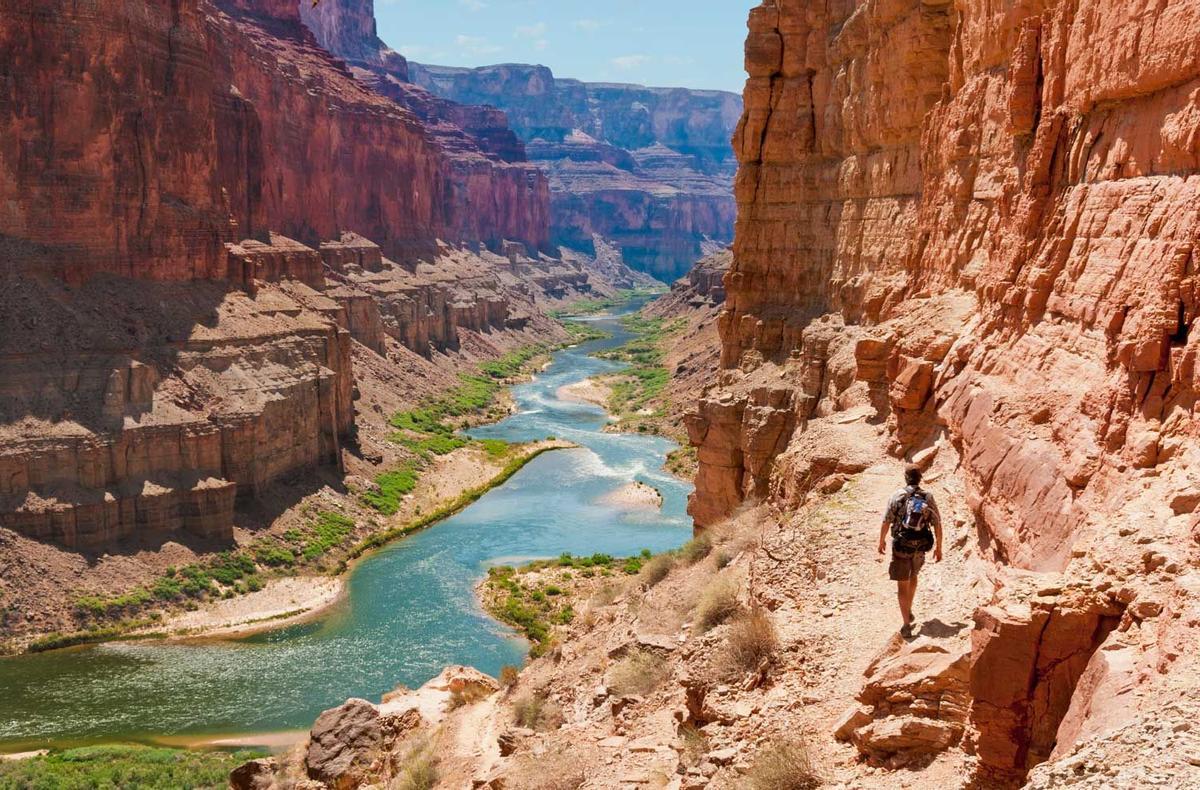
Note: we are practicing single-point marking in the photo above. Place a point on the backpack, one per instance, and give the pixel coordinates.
(912, 532)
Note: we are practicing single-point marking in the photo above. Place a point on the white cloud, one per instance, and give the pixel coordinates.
(473, 5)
(476, 45)
(541, 44)
(531, 31)
(630, 62)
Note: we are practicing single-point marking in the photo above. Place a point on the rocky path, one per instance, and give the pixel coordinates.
(835, 601)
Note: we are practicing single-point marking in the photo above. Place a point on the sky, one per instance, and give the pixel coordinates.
(669, 43)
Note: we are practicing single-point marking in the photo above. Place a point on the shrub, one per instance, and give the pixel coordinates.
(419, 771)
(752, 639)
(638, 673)
(509, 675)
(273, 555)
(393, 486)
(328, 531)
(696, 549)
(783, 765)
(468, 694)
(536, 712)
(717, 604)
(723, 558)
(695, 744)
(657, 569)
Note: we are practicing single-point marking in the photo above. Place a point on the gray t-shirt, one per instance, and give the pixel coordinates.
(895, 508)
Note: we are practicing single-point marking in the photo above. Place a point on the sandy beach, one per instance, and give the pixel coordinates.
(633, 496)
(586, 391)
(281, 602)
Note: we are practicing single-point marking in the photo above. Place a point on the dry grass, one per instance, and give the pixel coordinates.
(752, 639)
(723, 558)
(717, 603)
(657, 568)
(468, 695)
(783, 765)
(509, 675)
(695, 744)
(606, 595)
(536, 712)
(696, 549)
(640, 673)
(419, 771)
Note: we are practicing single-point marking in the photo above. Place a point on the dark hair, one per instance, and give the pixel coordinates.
(912, 475)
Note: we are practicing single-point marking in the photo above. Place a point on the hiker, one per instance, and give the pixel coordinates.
(916, 526)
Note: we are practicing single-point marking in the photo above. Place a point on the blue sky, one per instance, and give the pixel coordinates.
(686, 43)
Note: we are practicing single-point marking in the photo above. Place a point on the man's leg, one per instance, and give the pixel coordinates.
(904, 594)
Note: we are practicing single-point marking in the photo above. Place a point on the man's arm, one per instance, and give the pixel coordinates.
(883, 532)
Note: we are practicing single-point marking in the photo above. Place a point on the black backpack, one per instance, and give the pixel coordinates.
(912, 532)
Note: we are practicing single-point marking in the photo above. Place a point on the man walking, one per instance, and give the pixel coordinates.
(916, 526)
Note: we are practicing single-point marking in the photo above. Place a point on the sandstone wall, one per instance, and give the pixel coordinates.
(648, 169)
(979, 221)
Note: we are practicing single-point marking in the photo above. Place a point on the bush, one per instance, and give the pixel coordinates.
(393, 487)
(419, 771)
(468, 694)
(723, 558)
(752, 639)
(273, 555)
(638, 673)
(717, 604)
(657, 569)
(783, 765)
(495, 448)
(509, 675)
(328, 531)
(696, 549)
(536, 712)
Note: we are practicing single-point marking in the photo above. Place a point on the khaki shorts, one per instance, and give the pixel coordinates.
(905, 566)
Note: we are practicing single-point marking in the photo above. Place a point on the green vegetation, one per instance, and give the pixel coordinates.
(605, 304)
(535, 609)
(582, 332)
(432, 429)
(642, 384)
(328, 531)
(143, 767)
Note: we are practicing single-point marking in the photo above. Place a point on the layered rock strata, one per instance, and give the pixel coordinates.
(649, 169)
(976, 224)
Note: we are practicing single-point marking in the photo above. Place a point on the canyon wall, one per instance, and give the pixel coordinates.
(976, 224)
(649, 169)
(199, 204)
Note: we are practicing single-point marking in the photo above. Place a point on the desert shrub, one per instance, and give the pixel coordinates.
(393, 487)
(419, 769)
(783, 765)
(468, 694)
(695, 744)
(606, 594)
(717, 604)
(536, 712)
(723, 558)
(638, 673)
(657, 569)
(509, 675)
(752, 639)
(328, 531)
(696, 549)
(273, 555)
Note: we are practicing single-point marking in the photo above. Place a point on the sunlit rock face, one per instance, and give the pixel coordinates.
(649, 169)
(979, 221)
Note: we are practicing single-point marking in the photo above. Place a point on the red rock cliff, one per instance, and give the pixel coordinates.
(987, 215)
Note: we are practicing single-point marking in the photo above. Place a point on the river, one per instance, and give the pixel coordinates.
(410, 608)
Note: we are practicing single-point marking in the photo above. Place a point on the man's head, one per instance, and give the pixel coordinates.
(912, 475)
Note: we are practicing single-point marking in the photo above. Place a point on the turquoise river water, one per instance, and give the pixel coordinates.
(410, 608)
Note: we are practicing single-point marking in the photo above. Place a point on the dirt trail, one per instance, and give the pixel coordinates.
(836, 603)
